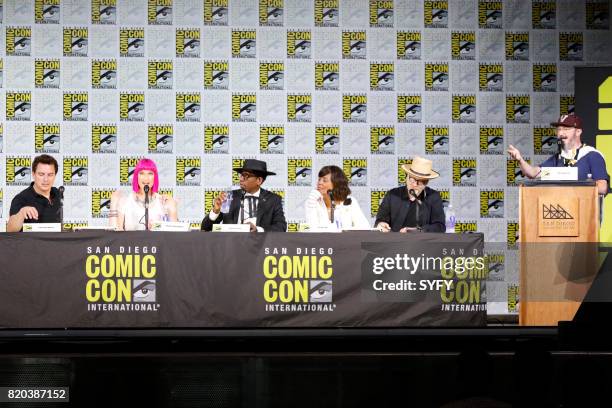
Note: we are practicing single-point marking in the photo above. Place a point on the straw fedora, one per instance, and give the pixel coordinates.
(420, 168)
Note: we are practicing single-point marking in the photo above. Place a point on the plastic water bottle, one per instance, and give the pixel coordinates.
(451, 219)
(225, 204)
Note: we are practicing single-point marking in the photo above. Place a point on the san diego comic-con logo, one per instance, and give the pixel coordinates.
(354, 108)
(381, 13)
(1, 141)
(544, 77)
(571, 46)
(126, 169)
(75, 41)
(299, 172)
(437, 77)
(464, 109)
(271, 13)
(299, 107)
(216, 139)
(18, 105)
(237, 162)
(131, 42)
(271, 139)
(356, 171)
(188, 171)
(216, 12)
(401, 174)
(517, 46)
(244, 107)
(47, 11)
(18, 170)
(514, 175)
(491, 203)
(271, 75)
(159, 74)
(104, 74)
(75, 171)
(466, 227)
(293, 226)
(1, 71)
(409, 108)
(281, 194)
(544, 140)
(327, 76)
(100, 202)
(354, 44)
(327, 139)
(437, 140)
(512, 234)
(490, 13)
(382, 139)
(187, 43)
(121, 279)
(132, 106)
(495, 262)
(73, 225)
(491, 140)
(543, 14)
(436, 14)
(216, 74)
(445, 196)
(491, 77)
(47, 73)
(299, 44)
(409, 45)
(464, 172)
(566, 104)
(244, 43)
(376, 197)
(326, 13)
(18, 41)
(381, 76)
(597, 15)
(517, 109)
(160, 138)
(103, 138)
(159, 12)
(104, 11)
(513, 298)
(47, 138)
(75, 106)
(463, 45)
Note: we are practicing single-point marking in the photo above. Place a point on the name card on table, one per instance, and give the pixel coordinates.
(43, 227)
(305, 227)
(170, 226)
(231, 228)
(559, 173)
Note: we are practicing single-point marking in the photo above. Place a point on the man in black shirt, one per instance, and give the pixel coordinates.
(41, 201)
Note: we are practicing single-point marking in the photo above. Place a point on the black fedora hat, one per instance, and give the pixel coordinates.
(255, 166)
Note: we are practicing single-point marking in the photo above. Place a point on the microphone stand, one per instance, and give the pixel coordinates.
(146, 204)
(242, 194)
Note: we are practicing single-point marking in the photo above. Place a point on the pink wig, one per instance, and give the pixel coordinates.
(145, 164)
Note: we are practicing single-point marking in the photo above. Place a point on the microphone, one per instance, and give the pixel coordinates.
(146, 190)
(61, 198)
(333, 205)
(242, 195)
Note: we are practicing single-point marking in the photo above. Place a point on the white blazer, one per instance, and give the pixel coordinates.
(345, 215)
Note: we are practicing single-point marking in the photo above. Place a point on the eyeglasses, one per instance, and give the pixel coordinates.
(247, 176)
(418, 182)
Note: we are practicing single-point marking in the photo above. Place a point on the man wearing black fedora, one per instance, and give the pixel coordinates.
(251, 204)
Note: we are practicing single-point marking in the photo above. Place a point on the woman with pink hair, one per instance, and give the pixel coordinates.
(127, 212)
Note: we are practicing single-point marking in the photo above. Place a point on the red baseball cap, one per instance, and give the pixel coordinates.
(570, 120)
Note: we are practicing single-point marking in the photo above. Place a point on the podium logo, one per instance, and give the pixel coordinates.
(517, 109)
(216, 74)
(244, 107)
(76, 106)
(381, 76)
(327, 139)
(436, 77)
(382, 140)
(18, 105)
(356, 171)
(381, 13)
(571, 46)
(512, 234)
(490, 14)
(597, 15)
(299, 44)
(491, 140)
(353, 44)
(216, 139)
(376, 197)
(463, 45)
(401, 174)
(566, 104)
(47, 138)
(555, 212)
(409, 45)
(437, 140)
(131, 42)
(126, 169)
(216, 12)
(47, 11)
(187, 43)
(47, 73)
(544, 140)
(326, 13)
(103, 138)
(271, 12)
(491, 77)
(159, 74)
(75, 41)
(272, 139)
(464, 172)
(517, 46)
(299, 172)
(18, 41)
(159, 12)
(464, 227)
(464, 109)
(209, 197)
(103, 11)
(104, 74)
(188, 171)
(160, 138)
(409, 108)
(436, 14)
(271, 75)
(299, 107)
(75, 171)
(327, 76)
(544, 77)
(18, 171)
(354, 108)
(132, 107)
(244, 43)
(100, 202)
(491, 203)
(514, 175)
(543, 14)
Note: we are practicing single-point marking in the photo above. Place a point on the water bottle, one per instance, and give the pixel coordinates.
(225, 204)
(451, 219)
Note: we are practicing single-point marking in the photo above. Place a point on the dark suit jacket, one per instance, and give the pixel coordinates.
(394, 208)
(270, 214)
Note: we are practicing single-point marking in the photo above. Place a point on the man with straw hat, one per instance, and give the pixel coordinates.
(415, 207)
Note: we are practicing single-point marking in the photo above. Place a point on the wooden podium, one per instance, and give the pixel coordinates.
(559, 236)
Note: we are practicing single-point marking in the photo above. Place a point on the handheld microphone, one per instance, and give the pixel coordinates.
(61, 198)
(146, 190)
(333, 205)
(242, 195)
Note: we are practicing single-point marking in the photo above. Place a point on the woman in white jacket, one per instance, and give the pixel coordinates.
(331, 202)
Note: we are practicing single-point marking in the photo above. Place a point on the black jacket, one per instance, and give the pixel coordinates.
(270, 214)
(394, 209)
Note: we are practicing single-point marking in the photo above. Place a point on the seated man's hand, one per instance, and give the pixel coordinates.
(29, 213)
(253, 227)
(217, 203)
(383, 227)
(408, 229)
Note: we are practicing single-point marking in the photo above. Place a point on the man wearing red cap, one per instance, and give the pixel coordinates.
(573, 153)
